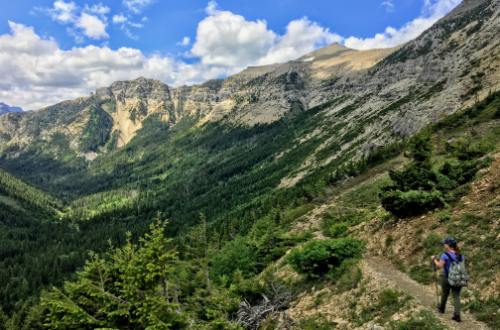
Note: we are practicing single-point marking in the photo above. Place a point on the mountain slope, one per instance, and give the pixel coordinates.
(386, 95)
(279, 126)
(258, 155)
(396, 245)
(252, 280)
(37, 249)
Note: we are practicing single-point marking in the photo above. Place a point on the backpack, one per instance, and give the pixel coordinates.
(457, 274)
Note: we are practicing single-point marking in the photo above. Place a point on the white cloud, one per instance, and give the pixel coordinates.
(302, 36)
(36, 72)
(63, 12)
(211, 8)
(90, 22)
(99, 9)
(432, 11)
(388, 5)
(126, 24)
(135, 25)
(438, 8)
(136, 6)
(92, 26)
(120, 18)
(227, 39)
(184, 42)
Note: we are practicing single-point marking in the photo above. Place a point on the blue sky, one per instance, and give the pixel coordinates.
(52, 50)
(169, 21)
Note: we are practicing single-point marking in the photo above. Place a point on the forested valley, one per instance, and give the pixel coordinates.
(308, 194)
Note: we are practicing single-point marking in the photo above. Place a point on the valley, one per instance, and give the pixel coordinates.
(211, 206)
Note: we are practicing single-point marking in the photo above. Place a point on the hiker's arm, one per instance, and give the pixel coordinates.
(438, 262)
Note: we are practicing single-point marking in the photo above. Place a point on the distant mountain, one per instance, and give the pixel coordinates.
(271, 157)
(5, 108)
(372, 98)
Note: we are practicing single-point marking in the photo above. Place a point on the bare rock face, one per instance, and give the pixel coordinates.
(130, 102)
(381, 95)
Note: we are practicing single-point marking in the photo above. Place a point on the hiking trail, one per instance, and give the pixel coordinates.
(381, 268)
(384, 269)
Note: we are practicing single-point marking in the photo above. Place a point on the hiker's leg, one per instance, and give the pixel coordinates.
(455, 292)
(445, 291)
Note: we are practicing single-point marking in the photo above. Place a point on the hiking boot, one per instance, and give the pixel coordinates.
(440, 309)
(456, 318)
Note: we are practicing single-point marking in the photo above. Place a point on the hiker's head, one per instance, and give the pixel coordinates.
(450, 243)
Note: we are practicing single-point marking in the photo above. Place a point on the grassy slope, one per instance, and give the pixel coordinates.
(473, 219)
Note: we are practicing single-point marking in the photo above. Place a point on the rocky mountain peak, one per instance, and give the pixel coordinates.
(138, 88)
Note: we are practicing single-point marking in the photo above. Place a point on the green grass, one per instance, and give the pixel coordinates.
(316, 323)
(487, 311)
(424, 320)
(422, 274)
(349, 279)
(388, 303)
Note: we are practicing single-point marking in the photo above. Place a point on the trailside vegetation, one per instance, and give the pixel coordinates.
(320, 257)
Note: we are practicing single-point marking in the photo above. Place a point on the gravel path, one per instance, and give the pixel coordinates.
(383, 268)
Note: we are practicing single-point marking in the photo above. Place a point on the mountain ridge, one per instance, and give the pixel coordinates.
(262, 95)
(5, 108)
(258, 175)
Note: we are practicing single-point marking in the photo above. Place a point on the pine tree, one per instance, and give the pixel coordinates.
(132, 287)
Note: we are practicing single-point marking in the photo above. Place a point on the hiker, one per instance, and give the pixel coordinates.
(452, 262)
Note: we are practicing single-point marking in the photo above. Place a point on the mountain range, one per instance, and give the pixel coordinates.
(4, 108)
(390, 93)
(270, 158)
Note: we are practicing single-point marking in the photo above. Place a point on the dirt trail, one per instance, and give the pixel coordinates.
(383, 268)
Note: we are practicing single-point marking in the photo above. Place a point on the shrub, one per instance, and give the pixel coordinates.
(410, 203)
(388, 297)
(319, 257)
(464, 149)
(238, 254)
(337, 230)
(420, 147)
(389, 302)
(419, 188)
(415, 177)
(461, 172)
(336, 222)
(348, 276)
(432, 244)
(497, 113)
(443, 216)
(422, 274)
